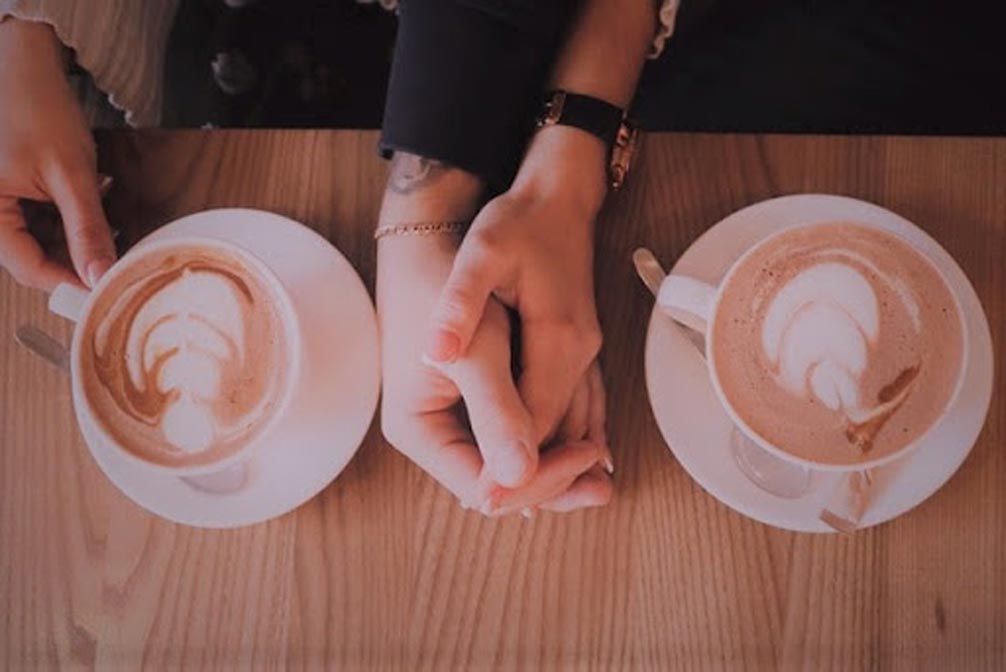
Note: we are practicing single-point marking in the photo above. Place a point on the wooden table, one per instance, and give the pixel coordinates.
(384, 570)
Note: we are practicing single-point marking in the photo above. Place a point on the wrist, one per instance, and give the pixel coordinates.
(566, 163)
(412, 270)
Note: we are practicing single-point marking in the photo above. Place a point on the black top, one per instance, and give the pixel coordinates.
(467, 80)
(460, 93)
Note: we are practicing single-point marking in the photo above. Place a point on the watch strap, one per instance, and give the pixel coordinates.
(598, 117)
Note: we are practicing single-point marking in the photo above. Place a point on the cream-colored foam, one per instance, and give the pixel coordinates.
(816, 332)
(184, 356)
(837, 343)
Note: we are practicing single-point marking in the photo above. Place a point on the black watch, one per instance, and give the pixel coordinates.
(599, 118)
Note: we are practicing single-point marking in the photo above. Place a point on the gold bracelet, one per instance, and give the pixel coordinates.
(419, 228)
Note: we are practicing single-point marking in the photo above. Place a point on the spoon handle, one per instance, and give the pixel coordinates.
(648, 269)
(44, 345)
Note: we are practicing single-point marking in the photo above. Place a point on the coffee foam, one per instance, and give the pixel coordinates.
(837, 343)
(184, 356)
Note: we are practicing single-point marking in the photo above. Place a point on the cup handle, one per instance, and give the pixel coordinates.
(68, 301)
(688, 301)
(848, 502)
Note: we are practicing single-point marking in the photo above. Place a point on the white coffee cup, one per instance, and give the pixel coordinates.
(695, 303)
(75, 304)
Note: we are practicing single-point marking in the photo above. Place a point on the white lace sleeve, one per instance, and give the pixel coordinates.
(121, 43)
(666, 15)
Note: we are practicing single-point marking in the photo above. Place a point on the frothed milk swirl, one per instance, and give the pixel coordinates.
(837, 343)
(184, 355)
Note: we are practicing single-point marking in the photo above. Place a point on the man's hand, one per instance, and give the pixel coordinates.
(46, 154)
(532, 249)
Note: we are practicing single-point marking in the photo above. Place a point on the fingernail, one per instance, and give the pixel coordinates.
(508, 466)
(445, 347)
(527, 512)
(608, 462)
(96, 269)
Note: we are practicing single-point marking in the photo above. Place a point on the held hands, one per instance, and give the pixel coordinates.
(532, 249)
(46, 154)
(537, 443)
(422, 404)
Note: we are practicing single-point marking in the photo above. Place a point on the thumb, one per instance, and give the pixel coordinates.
(462, 302)
(76, 194)
(559, 469)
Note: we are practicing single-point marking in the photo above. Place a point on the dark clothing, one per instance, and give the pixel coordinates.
(468, 75)
(280, 63)
(830, 66)
(467, 80)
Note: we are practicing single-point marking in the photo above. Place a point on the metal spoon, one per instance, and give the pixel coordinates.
(652, 274)
(648, 269)
(44, 345)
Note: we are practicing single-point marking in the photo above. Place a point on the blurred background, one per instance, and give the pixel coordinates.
(850, 66)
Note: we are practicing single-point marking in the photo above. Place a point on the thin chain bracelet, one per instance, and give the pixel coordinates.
(419, 229)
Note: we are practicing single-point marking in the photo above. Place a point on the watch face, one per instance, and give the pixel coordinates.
(552, 110)
(622, 154)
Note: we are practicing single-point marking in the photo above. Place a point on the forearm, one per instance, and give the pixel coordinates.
(465, 81)
(26, 39)
(605, 52)
(602, 57)
(412, 269)
(421, 190)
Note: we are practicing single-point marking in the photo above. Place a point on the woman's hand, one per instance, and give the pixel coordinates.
(422, 412)
(532, 249)
(46, 154)
(585, 483)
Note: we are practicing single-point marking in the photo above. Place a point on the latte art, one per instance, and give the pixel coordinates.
(837, 342)
(817, 331)
(820, 331)
(187, 354)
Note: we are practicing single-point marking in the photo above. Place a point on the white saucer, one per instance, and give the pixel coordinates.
(698, 430)
(335, 400)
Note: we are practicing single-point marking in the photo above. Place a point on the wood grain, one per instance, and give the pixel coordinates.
(383, 570)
